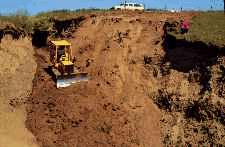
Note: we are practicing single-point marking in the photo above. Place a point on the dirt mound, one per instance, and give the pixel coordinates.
(130, 69)
(17, 71)
(146, 87)
(113, 108)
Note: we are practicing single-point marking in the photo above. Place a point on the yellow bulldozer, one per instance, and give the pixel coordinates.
(65, 73)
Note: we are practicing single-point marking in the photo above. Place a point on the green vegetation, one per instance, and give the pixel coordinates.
(208, 27)
(20, 21)
(44, 20)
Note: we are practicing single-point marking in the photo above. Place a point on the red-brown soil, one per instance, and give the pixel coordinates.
(114, 108)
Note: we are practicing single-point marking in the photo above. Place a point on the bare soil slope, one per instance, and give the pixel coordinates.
(114, 108)
(16, 73)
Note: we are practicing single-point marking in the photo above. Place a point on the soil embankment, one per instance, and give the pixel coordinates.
(115, 107)
(191, 96)
(146, 87)
(17, 71)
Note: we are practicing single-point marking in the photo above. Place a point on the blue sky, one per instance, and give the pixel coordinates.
(35, 6)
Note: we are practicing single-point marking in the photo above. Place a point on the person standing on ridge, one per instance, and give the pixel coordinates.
(184, 26)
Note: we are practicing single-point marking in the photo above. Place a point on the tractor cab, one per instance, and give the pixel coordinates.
(63, 68)
(60, 51)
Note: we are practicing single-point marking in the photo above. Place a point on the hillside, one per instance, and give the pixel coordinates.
(147, 86)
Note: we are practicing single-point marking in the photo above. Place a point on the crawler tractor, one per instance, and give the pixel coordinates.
(63, 69)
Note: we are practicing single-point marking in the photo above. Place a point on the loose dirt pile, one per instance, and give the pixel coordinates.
(16, 73)
(114, 108)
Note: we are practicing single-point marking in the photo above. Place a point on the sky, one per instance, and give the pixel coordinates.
(35, 6)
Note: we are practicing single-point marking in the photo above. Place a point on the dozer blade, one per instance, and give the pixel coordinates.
(67, 80)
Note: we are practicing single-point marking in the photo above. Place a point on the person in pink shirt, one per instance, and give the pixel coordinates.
(184, 26)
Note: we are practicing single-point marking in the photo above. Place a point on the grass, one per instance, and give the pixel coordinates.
(207, 27)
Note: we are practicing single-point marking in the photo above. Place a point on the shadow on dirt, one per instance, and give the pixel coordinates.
(39, 38)
(16, 33)
(191, 57)
(65, 28)
(185, 56)
(49, 71)
(60, 29)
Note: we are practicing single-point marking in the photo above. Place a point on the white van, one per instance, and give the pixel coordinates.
(129, 6)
